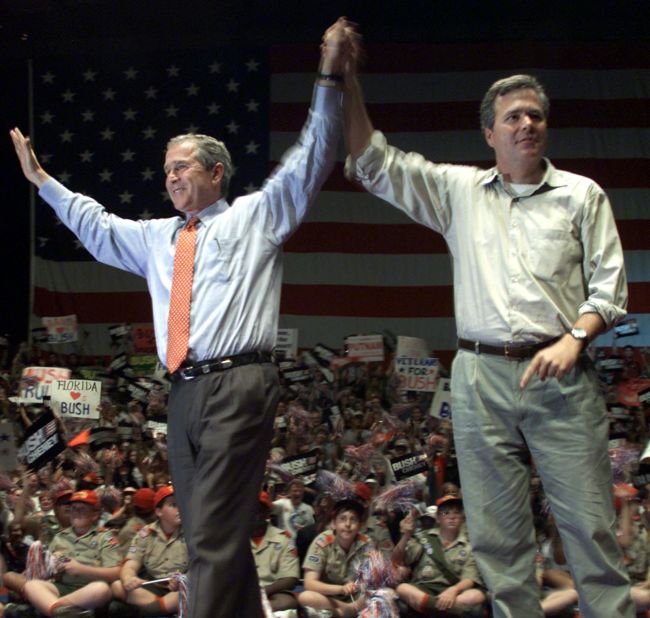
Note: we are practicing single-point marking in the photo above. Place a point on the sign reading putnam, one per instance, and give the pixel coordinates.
(417, 374)
(76, 398)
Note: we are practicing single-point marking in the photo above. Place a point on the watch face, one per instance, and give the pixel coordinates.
(579, 333)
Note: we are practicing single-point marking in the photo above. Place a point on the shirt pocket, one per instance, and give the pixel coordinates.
(226, 258)
(553, 254)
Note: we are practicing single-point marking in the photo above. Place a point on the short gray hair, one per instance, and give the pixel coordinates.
(209, 152)
(506, 85)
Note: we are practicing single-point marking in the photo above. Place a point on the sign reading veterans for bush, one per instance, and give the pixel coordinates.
(365, 348)
(408, 465)
(417, 374)
(304, 466)
(42, 442)
(61, 329)
(36, 381)
(76, 398)
(7, 447)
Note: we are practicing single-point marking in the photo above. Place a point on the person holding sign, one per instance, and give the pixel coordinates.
(214, 274)
(538, 273)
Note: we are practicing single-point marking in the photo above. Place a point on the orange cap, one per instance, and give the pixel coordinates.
(161, 494)
(87, 496)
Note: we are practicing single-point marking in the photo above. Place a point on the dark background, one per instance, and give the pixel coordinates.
(37, 28)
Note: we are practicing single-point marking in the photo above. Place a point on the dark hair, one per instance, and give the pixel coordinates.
(503, 87)
(209, 151)
(348, 505)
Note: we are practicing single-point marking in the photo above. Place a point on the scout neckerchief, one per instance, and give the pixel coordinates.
(433, 548)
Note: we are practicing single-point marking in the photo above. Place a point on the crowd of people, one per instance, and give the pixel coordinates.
(103, 513)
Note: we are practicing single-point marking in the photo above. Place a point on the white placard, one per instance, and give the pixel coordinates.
(412, 347)
(61, 329)
(36, 383)
(76, 398)
(366, 348)
(417, 374)
(287, 342)
(441, 404)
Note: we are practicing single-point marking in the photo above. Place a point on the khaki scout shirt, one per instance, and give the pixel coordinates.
(379, 534)
(97, 548)
(125, 535)
(329, 560)
(275, 556)
(458, 556)
(158, 555)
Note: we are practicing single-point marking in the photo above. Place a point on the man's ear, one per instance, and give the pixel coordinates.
(217, 173)
(489, 137)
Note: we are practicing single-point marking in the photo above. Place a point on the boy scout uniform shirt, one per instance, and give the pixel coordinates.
(97, 548)
(125, 535)
(158, 555)
(275, 556)
(379, 534)
(458, 556)
(331, 562)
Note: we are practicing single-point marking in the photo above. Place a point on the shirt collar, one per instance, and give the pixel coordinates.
(209, 213)
(551, 179)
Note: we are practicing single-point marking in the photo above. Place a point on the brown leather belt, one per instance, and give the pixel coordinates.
(516, 351)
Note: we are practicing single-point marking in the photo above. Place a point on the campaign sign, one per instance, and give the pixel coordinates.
(626, 328)
(286, 344)
(408, 465)
(42, 442)
(36, 382)
(144, 339)
(76, 398)
(304, 465)
(61, 329)
(413, 347)
(441, 404)
(417, 374)
(365, 348)
(7, 447)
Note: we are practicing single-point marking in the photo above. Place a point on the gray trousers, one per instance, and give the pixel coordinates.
(220, 429)
(564, 425)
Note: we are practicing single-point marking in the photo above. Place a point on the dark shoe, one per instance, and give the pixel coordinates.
(20, 610)
(72, 611)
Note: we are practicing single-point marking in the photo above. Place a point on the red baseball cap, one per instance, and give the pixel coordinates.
(362, 491)
(143, 499)
(87, 496)
(161, 494)
(63, 496)
(265, 499)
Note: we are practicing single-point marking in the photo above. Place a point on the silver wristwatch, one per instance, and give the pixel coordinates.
(581, 335)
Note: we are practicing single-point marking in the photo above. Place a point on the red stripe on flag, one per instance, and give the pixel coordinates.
(369, 238)
(508, 56)
(464, 116)
(410, 238)
(375, 301)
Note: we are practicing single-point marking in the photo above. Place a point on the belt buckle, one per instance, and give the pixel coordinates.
(226, 363)
(183, 372)
(506, 350)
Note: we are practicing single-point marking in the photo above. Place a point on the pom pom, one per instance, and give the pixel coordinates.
(376, 571)
(360, 456)
(622, 458)
(380, 604)
(179, 582)
(41, 564)
(400, 497)
(85, 463)
(335, 485)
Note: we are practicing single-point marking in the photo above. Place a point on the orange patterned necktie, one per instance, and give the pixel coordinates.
(178, 322)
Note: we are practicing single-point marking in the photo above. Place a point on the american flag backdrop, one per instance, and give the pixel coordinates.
(356, 265)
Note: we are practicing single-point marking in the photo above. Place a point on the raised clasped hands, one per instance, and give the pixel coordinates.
(340, 48)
